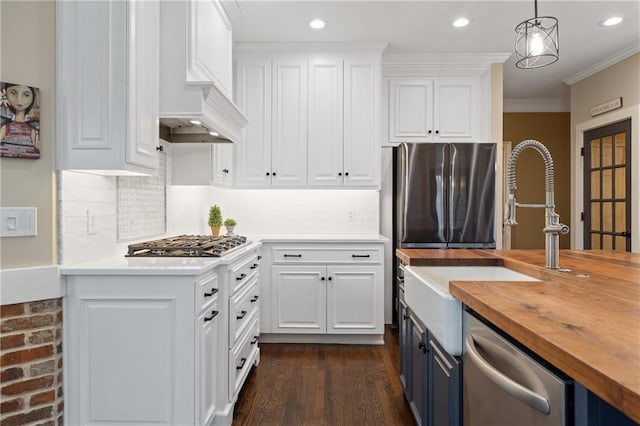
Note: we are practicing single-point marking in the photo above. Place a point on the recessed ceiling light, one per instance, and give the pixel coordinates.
(214, 134)
(316, 24)
(460, 22)
(614, 20)
(196, 122)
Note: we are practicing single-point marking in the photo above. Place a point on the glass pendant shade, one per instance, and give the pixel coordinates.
(537, 41)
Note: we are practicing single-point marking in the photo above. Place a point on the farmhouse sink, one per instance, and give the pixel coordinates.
(427, 294)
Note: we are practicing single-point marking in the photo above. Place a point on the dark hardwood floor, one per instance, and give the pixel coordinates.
(311, 384)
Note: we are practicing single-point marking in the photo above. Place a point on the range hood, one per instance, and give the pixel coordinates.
(196, 74)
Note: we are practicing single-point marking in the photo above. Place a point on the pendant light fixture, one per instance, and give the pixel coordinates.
(537, 41)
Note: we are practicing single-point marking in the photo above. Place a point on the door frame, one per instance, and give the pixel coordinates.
(577, 173)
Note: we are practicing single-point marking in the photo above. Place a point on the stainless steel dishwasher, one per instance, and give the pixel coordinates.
(502, 385)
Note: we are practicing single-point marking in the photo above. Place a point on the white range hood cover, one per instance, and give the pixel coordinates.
(189, 88)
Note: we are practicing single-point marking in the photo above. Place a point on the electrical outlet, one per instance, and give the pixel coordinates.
(91, 223)
(349, 215)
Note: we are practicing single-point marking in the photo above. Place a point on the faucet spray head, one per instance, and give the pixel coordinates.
(510, 208)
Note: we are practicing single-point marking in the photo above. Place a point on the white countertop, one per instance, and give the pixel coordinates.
(121, 265)
(373, 238)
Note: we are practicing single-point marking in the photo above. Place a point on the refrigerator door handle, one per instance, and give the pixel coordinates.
(511, 387)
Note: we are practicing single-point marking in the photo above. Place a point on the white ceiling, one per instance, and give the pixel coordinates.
(424, 26)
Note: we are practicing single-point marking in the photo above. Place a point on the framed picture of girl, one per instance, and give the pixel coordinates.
(19, 121)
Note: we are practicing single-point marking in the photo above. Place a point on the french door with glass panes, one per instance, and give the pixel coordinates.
(607, 187)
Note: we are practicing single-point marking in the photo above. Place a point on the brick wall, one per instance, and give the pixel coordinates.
(31, 363)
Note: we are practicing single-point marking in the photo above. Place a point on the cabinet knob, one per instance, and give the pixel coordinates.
(437, 132)
(330, 278)
(160, 148)
(273, 174)
(321, 278)
(268, 174)
(346, 173)
(429, 132)
(339, 173)
(225, 170)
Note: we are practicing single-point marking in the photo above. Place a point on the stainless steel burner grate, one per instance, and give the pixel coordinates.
(187, 246)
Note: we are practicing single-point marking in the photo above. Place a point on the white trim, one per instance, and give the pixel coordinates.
(537, 105)
(30, 284)
(577, 187)
(399, 65)
(306, 47)
(347, 339)
(605, 63)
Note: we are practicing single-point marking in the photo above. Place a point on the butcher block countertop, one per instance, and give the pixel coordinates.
(585, 322)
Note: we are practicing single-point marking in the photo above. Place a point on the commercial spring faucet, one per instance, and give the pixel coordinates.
(553, 227)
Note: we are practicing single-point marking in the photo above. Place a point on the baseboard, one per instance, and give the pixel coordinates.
(341, 339)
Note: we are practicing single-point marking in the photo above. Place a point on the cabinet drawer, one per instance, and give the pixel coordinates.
(243, 271)
(242, 307)
(332, 254)
(242, 357)
(206, 290)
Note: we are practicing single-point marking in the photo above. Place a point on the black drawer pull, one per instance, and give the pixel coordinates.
(213, 315)
(292, 255)
(259, 257)
(420, 345)
(255, 340)
(254, 299)
(241, 277)
(213, 291)
(243, 361)
(254, 266)
(405, 316)
(242, 315)
(360, 255)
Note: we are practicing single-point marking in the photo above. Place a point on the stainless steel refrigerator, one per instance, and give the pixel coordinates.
(444, 197)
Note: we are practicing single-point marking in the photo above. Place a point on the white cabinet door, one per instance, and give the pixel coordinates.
(289, 138)
(454, 109)
(222, 172)
(207, 326)
(107, 120)
(410, 110)
(361, 129)
(298, 299)
(354, 300)
(143, 86)
(325, 122)
(210, 44)
(253, 154)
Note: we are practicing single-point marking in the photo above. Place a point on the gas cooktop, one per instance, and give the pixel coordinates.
(187, 246)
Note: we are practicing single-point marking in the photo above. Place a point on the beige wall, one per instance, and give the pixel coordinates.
(27, 35)
(619, 80)
(552, 130)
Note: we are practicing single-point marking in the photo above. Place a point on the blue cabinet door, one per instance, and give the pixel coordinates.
(419, 372)
(445, 386)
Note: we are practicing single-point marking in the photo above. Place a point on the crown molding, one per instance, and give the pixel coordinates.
(309, 47)
(450, 65)
(536, 105)
(605, 63)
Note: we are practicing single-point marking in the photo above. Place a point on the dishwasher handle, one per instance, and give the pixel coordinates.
(513, 388)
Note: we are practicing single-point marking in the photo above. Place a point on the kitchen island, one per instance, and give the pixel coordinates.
(585, 322)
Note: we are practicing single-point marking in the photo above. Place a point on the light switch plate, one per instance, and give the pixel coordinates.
(18, 222)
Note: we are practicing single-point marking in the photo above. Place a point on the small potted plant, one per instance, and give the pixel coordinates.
(215, 219)
(230, 224)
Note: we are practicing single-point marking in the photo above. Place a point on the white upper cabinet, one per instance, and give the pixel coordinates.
(289, 115)
(107, 86)
(273, 96)
(253, 96)
(431, 110)
(222, 173)
(314, 117)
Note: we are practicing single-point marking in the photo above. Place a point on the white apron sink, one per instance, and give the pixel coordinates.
(427, 294)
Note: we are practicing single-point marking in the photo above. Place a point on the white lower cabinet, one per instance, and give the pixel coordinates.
(325, 299)
(141, 349)
(323, 290)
